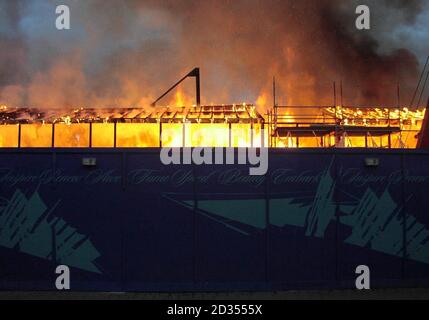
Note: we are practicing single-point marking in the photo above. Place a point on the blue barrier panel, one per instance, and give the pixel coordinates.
(132, 223)
(371, 216)
(302, 220)
(416, 186)
(158, 233)
(26, 233)
(230, 228)
(89, 203)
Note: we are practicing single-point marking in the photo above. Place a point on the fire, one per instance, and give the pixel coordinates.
(217, 126)
(181, 99)
(103, 134)
(71, 135)
(36, 135)
(204, 135)
(261, 101)
(172, 135)
(9, 135)
(352, 127)
(138, 135)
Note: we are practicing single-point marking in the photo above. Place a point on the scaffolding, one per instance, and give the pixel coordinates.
(343, 126)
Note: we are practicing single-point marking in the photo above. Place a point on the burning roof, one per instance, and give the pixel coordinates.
(218, 126)
(240, 113)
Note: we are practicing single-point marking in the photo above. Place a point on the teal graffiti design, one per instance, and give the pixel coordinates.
(26, 226)
(376, 222)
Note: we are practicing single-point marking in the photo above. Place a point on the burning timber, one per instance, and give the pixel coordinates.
(237, 125)
(222, 126)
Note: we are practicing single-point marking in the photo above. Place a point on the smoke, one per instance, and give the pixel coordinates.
(126, 53)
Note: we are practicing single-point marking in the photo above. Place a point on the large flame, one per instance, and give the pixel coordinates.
(216, 126)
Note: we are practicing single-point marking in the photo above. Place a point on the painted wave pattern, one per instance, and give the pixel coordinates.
(376, 222)
(26, 226)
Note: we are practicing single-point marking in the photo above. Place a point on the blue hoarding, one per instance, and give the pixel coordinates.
(130, 223)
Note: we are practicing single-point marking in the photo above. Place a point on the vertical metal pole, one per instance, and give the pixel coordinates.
(388, 137)
(114, 134)
(19, 135)
(230, 134)
(341, 93)
(335, 119)
(53, 135)
(275, 123)
(273, 118)
(197, 84)
(160, 134)
(399, 104)
(274, 91)
(90, 134)
(262, 135)
(270, 143)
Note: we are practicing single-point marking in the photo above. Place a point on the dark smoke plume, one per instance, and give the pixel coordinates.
(123, 53)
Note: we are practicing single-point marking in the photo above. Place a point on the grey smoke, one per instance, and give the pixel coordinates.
(121, 53)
